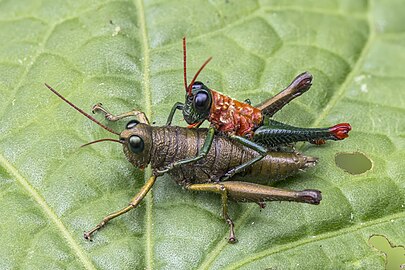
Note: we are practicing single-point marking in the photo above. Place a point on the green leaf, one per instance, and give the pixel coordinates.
(128, 54)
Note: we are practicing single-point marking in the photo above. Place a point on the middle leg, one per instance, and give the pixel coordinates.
(220, 189)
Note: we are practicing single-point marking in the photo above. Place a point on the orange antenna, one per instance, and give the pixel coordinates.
(196, 75)
(185, 63)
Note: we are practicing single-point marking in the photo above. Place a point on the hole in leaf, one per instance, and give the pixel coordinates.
(394, 255)
(354, 163)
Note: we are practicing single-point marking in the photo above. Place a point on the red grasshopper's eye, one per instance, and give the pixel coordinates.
(201, 101)
(197, 85)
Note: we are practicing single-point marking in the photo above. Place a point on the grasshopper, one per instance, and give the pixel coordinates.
(249, 125)
(177, 148)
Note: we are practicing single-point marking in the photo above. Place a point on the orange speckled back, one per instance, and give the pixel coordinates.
(233, 117)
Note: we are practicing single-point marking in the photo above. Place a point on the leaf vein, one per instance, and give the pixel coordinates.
(80, 253)
(328, 235)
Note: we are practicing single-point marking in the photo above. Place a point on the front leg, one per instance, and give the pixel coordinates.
(110, 117)
(133, 204)
(176, 106)
(201, 154)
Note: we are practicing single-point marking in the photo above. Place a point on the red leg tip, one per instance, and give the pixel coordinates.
(341, 131)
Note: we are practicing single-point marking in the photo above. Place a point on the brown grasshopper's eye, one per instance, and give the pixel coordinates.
(131, 124)
(136, 144)
(201, 101)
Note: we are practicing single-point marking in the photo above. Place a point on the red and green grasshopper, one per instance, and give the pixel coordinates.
(249, 125)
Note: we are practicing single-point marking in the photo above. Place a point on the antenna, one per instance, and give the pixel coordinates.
(196, 75)
(80, 110)
(102, 140)
(185, 63)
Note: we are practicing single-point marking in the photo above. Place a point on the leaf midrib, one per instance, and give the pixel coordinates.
(148, 111)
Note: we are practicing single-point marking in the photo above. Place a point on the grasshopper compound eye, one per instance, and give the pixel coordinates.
(197, 86)
(136, 144)
(201, 101)
(131, 124)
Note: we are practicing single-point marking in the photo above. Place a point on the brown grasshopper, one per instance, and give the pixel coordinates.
(175, 150)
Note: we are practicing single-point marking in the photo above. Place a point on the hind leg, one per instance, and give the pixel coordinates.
(250, 192)
(274, 133)
(298, 86)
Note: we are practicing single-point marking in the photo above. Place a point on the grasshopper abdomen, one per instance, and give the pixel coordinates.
(171, 144)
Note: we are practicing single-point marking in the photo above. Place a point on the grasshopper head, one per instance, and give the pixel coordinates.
(137, 141)
(136, 138)
(198, 97)
(197, 104)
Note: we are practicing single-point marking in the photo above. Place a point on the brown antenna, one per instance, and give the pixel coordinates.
(102, 140)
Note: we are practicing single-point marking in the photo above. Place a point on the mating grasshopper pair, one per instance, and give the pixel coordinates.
(232, 162)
